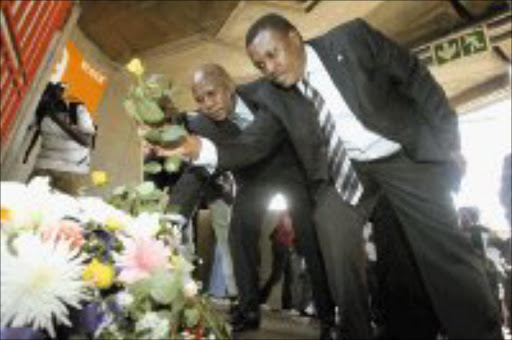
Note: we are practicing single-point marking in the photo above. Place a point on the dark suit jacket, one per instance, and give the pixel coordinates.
(278, 166)
(385, 86)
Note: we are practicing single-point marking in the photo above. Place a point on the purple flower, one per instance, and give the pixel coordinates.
(89, 318)
(21, 333)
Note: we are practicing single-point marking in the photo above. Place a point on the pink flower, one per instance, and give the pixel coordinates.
(140, 258)
(64, 230)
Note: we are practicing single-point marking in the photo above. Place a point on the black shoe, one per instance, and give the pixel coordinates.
(246, 320)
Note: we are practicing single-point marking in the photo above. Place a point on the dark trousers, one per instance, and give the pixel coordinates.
(251, 204)
(400, 303)
(452, 272)
(280, 260)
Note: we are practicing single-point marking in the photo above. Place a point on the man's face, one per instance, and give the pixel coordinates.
(214, 98)
(279, 56)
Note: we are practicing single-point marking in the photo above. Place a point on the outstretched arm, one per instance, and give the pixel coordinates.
(253, 145)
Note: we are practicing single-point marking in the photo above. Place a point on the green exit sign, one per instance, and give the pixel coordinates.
(466, 44)
(473, 42)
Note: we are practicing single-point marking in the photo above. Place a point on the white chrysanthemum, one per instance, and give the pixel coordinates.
(39, 282)
(33, 205)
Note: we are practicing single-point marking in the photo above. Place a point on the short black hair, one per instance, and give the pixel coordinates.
(272, 21)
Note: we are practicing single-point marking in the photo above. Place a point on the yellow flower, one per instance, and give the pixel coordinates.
(113, 224)
(99, 178)
(135, 67)
(6, 215)
(101, 275)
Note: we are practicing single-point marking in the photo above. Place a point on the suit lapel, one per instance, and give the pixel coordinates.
(336, 63)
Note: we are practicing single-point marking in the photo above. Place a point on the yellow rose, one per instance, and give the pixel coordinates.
(135, 67)
(113, 224)
(100, 274)
(99, 178)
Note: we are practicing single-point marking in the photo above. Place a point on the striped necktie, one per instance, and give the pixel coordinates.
(340, 167)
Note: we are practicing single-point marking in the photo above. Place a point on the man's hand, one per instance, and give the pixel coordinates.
(190, 148)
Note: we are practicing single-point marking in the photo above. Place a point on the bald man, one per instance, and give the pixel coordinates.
(225, 110)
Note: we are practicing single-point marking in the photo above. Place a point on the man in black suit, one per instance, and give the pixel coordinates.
(226, 110)
(367, 119)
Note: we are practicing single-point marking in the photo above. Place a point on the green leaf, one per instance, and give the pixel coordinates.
(172, 134)
(145, 188)
(152, 168)
(172, 164)
(153, 136)
(182, 266)
(153, 89)
(119, 190)
(191, 317)
(164, 314)
(163, 287)
(140, 289)
(138, 92)
(131, 109)
(149, 111)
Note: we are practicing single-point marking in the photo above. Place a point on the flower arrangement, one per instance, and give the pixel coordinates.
(143, 103)
(82, 268)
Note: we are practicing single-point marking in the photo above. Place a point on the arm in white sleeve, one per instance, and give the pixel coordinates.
(208, 157)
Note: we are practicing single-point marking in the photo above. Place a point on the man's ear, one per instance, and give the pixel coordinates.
(295, 36)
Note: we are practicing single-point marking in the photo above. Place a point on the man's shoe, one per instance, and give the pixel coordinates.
(246, 320)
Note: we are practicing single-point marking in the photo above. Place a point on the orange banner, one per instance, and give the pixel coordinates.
(84, 82)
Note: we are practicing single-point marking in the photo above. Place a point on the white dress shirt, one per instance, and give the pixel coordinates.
(360, 143)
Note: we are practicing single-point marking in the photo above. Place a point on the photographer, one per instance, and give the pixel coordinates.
(67, 132)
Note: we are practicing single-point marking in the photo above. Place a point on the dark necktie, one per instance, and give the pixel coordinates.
(340, 167)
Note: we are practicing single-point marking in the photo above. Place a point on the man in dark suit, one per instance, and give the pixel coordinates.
(226, 110)
(367, 119)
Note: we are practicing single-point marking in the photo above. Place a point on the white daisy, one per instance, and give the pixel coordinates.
(39, 282)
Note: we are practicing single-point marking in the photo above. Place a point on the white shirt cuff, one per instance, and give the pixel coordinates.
(207, 155)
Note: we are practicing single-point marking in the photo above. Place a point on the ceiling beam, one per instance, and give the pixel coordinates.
(477, 94)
